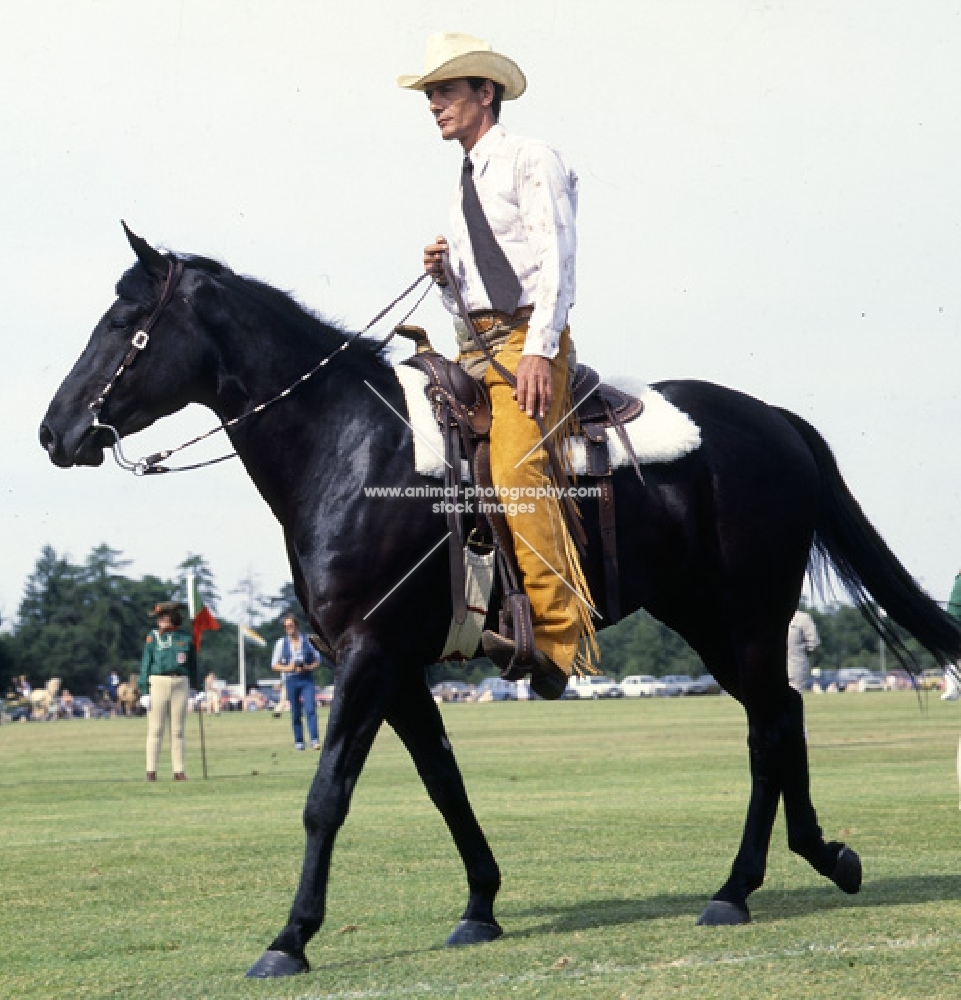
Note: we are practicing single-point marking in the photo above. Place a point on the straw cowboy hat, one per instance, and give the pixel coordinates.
(167, 607)
(451, 56)
(174, 609)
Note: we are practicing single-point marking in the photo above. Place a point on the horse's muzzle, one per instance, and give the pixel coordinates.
(88, 449)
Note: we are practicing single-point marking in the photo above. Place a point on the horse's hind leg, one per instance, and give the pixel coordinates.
(366, 683)
(734, 668)
(417, 721)
(834, 860)
(778, 755)
(729, 904)
(751, 671)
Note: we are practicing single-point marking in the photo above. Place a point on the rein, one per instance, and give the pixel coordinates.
(150, 464)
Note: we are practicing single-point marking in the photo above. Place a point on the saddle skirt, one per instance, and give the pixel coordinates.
(659, 433)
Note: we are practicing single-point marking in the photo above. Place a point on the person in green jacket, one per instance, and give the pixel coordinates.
(168, 668)
(954, 601)
(952, 673)
(952, 687)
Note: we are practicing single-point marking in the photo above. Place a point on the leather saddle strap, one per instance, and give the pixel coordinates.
(560, 477)
(454, 521)
(609, 547)
(500, 531)
(624, 438)
(523, 658)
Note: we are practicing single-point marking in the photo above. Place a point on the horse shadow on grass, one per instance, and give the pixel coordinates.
(766, 905)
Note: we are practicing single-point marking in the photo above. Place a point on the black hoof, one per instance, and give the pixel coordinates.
(717, 913)
(473, 932)
(275, 965)
(847, 871)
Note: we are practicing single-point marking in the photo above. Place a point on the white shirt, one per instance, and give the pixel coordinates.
(296, 652)
(530, 199)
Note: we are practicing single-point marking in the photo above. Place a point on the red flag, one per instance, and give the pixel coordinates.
(203, 620)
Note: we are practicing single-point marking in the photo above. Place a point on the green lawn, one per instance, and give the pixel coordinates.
(613, 823)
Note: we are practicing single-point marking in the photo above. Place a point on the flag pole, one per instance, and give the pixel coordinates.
(193, 611)
(203, 746)
(241, 662)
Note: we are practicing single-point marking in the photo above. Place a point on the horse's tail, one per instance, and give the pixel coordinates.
(846, 541)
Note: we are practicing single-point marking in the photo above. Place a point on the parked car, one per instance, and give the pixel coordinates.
(931, 679)
(453, 691)
(684, 683)
(850, 676)
(827, 682)
(496, 689)
(638, 686)
(705, 684)
(325, 696)
(270, 689)
(872, 683)
(595, 686)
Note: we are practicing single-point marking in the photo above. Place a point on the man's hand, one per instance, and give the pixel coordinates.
(534, 390)
(434, 260)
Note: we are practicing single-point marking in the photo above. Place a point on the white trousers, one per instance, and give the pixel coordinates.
(168, 700)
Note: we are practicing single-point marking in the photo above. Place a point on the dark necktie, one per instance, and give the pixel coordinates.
(500, 281)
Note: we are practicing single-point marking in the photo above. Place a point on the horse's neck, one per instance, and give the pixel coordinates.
(303, 440)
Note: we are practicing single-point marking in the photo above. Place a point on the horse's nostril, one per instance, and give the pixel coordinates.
(46, 437)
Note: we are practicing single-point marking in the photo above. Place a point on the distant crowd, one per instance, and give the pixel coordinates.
(22, 702)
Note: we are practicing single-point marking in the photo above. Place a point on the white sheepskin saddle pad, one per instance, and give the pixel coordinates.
(661, 433)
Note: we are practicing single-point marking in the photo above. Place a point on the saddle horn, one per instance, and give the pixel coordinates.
(418, 335)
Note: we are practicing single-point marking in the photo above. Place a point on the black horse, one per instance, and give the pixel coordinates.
(715, 545)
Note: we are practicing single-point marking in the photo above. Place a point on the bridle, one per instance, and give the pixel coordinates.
(150, 464)
(138, 342)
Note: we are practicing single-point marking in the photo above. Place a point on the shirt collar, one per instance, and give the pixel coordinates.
(485, 146)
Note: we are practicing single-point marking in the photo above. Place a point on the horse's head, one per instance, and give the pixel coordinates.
(159, 368)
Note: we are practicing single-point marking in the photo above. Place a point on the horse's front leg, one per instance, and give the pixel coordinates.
(417, 721)
(365, 684)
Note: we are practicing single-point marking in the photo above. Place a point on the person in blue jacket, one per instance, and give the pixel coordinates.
(296, 658)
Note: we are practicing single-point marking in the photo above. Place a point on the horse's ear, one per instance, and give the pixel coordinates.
(153, 260)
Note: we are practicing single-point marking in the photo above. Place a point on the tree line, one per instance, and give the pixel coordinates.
(79, 621)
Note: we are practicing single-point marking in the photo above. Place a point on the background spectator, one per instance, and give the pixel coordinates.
(802, 639)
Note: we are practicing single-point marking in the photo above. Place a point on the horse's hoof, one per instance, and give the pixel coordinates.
(847, 871)
(473, 932)
(717, 913)
(276, 964)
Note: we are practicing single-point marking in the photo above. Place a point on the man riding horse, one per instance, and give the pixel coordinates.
(511, 252)
(716, 545)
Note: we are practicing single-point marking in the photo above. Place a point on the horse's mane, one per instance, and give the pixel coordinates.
(308, 326)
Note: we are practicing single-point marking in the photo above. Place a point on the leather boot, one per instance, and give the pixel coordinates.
(547, 679)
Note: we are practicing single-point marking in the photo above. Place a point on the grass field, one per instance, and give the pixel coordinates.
(613, 823)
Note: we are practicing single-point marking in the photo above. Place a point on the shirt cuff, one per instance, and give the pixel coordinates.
(542, 343)
(447, 298)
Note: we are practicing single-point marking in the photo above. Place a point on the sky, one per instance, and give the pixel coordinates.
(768, 199)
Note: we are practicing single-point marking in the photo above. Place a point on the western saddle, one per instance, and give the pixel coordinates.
(462, 409)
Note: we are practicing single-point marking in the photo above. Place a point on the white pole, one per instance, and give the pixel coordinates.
(241, 664)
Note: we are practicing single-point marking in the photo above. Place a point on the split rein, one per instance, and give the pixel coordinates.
(150, 464)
